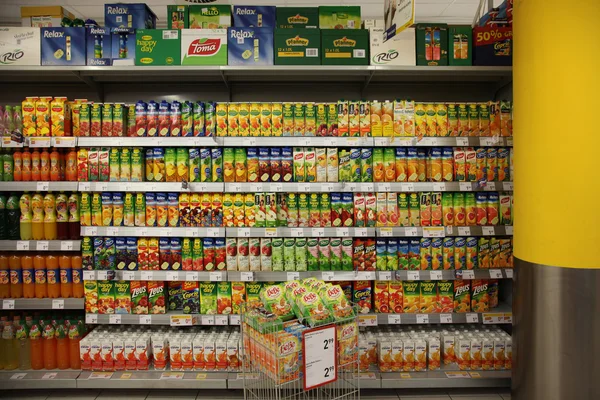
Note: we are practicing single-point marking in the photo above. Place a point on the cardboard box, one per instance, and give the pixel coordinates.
(496, 50)
(397, 16)
(20, 46)
(99, 46)
(204, 47)
(254, 16)
(399, 50)
(297, 47)
(373, 23)
(339, 17)
(178, 17)
(250, 46)
(44, 17)
(345, 47)
(210, 17)
(432, 44)
(123, 47)
(128, 16)
(63, 46)
(157, 47)
(460, 42)
(297, 17)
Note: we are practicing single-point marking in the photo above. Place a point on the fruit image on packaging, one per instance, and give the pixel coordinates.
(462, 296)
(428, 297)
(411, 296)
(479, 295)
(203, 46)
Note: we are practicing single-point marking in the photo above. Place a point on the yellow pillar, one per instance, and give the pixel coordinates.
(556, 87)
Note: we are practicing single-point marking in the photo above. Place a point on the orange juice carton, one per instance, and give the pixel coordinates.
(221, 119)
(463, 355)
(187, 353)
(60, 115)
(462, 296)
(384, 350)
(381, 293)
(139, 297)
(396, 355)
(160, 352)
(441, 119)
(254, 113)
(430, 119)
(408, 355)
(403, 214)
(342, 118)
(411, 296)
(310, 119)
(433, 354)
(265, 119)
(484, 119)
(353, 118)
(448, 253)
(233, 122)
(175, 353)
(142, 352)
(310, 164)
(420, 355)
(364, 112)
(425, 208)
(228, 213)
(392, 209)
(198, 352)
(395, 297)
(381, 209)
(493, 293)
(401, 164)
(483, 253)
(129, 353)
(471, 164)
(479, 295)
(453, 123)
(428, 297)
(500, 353)
(233, 356)
(471, 253)
(249, 210)
(96, 353)
(460, 165)
(43, 116)
(298, 119)
(437, 250)
(277, 119)
(398, 112)
(473, 122)
(414, 206)
(408, 118)
(387, 118)
(495, 121)
(476, 349)
(436, 209)
(239, 210)
(376, 119)
(502, 164)
(487, 354)
(221, 353)
(505, 257)
(412, 165)
(505, 211)
(106, 297)
(481, 164)
(506, 119)
(389, 164)
(28, 113)
(448, 346)
(460, 253)
(494, 252)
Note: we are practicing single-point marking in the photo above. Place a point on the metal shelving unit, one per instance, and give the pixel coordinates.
(449, 376)
(41, 304)
(171, 318)
(148, 142)
(38, 186)
(151, 231)
(153, 380)
(40, 245)
(150, 187)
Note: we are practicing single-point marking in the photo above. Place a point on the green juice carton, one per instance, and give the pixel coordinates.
(204, 46)
(297, 46)
(209, 17)
(177, 17)
(301, 256)
(312, 246)
(277, 254)
(289, 254)
(158, 47)
(208, 298)
(460, 42)
(345, 47)
(297, 17)
(432, 44)
(339, 17)
(324, 253)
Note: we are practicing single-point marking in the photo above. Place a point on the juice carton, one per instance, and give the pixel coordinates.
(463, 119)
(389, 164)
(396, 302)
(481, 201)
(228, 165)
(314, 212)
(216, 158)
(232, 119)
(471, 164)
(221, 119)
(453, 123)
(43, 116)
(299, 119)
(190, 297)
(354, 165)
(448, 253)
(299, 166)
(332, 165)
(361, 295)
(401, 165)
(156, 297)
(425, 253)
(312, 255)
(445, 299)
(403, 211)
(484, 119)
(347, 252)
(366, 165)
(249, 211)
(381, 293)
(208, 247)
(205, 166)
(408, 355)
(431, 119)
(332, 120)
(425, 208)
(412, 165)
(321, 165)
(275, 164)
(287, 162)
(479, 296)
(458, 206)
(91, 296)
(354, 118)
(462, 296)
(324, 254)
(303, 210)
(505, 257)
(253, 164)
(277, 254)
(433, 354)
(506, 118)
(321, 119)
(209, 119)
(403, 254)
(224, 305)
(463, 356)
(106, 297)
(288, 119)
(493, 293)
(420, 355)
(428, 300)
(310, 119)
(487, 354)
(238, 296)
(436, 253)
(387, 118)
(448, 347)
(107, 119)
(473, 124)
(502, 164)
(265, 254)
(382, 209)
(254, 251)
(243, 251)
(500, 355)
(103, 165)
(376, 116)
(60, 117)
(411, 296)
(265, 119)
(95, 120)
(392, 209)
(441, 119)
(471, 253)
(359, 210)
(385, 357)
(122, 297)
(420, 120)
(447, 209)
(277, 119)
(310, 164)
(289, 245)
(460, 166)
(436, 209)
(335, 257)
(270, 210)
(300, 251)
(475, 354)
(370, 255)
(460, 253)
(228, 210)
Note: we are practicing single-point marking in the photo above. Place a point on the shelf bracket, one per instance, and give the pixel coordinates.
(95, 86)
(227, 85)
(366, 83)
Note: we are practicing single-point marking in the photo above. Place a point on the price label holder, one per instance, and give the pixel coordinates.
(100, 375)
(58, 304)
(435, 275)
(234, 319)
(233, 187)
(327, 275)
(472, 318)
(49, 375)
(296, 232)
(422, 319)
(276, 187)
(207, 319)
(445, 318)
(22, 245)
(318, 232)
(147, 275)
(507, 186)
(465, 186)
(384, 187)
(201, 375)
(42, 245)
(462, 141)
(102, 275)
(360, 232)
(365, 275)
(66, 245)
(18, 376)
(468, 274)
(407, 187)
(367, 320)
(42, 186)
(112, 231)
(394, 319)
(181, 320)
(8, 304)
(91, 318)
(385, 275)
(412, 275)
(458, 375)
(342, 232)
(171, 376)
(84, 187)
(464, 231)
(270, 232)
(172, 276)
(509, 273)
(128, 275)
(249, 142)
(243, 232)
(439, 187)
(508, 318)
(386, 232)
(329, 142)
(114, 319)
(126, 375)
(488, 231)
(293, 276)
(495, 274)
(404, 375)
(304, 187)
(320, 357)
(221, 320)
(434, 232)
(145, 319)
(247, 276)
(475, 375)
(192, 276)
(216, 277)
(492, 318)
(490, 186)
(89, 275)
(509, 230)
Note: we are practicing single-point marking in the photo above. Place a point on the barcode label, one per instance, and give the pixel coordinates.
(359, 53)
(170, 34)
(312, 52)
(351, 24)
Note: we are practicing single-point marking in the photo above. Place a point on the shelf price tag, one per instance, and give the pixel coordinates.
(385, 275)
(181, 320)
(101, 275)
(434, 232)
(172, 276)
(270, 232)
(439, 187)
(464, 231)
(507, 186)
(234, 319)
(509, 273)
(385, 232)
(207, 320)
(42, 186)
(422, 319)
(112, 231)
(327, 275)
(192, 276)
(465, 186)
(435, 275)
(23, 245)
(318, 232)
(147, 276)
(472, 318)
(445, 318)
(84, 187)
(18, 376)
(247, 276)
(42, 245)
(412, 275)
(66, 245)
(342, 232)
(114, 319)
(249, 142)
(58, 304)
(365, 275)
(367, 320)
(407, 187)
(91, 318)
(243, 232)
(490, 186)
(296, 232)
(145, 319)
(221, 320)
(492, 318)
(304, 187)
(384, 187)
(508, 229)
(8, 304)
(49, 375)
(394, 319)
(462, 141)
(320, 357)
(495, 274)
(360, 232)
(487, 231)
(128, 275)
(411, 232)
(508, 318)
(100, 375)
(234, 187)
(293, 276)
(216, 277)
(170, 376)
(89, 275)
(468, 274)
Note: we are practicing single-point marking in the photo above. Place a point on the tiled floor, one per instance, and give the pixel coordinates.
(142, 394)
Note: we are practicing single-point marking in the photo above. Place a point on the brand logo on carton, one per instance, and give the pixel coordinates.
(138, 291)
(297, 41)
(97, 31)
(210, 11)
(348, 331)
(427, 286)
(334, 292)
(204, 47)
(288, 347)
(344, 42)
(241, 34)
(297, 19)
(479, 289)
(410, 286)
(245, 11)
(155, 291)
(11, 56)
(53, 34)
(460, 290)
(116, 10)
(273, 291)
(383, 58)
(310, 297)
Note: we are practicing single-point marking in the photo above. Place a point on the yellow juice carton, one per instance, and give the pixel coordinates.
(452, 114)
(249, 210)
(310, 119)
(140, 209)
(228, 164)
(221, 117)
(420, 120)
(473, 121)
(129, 210)
(343, 118)
(60, 114)
(28, 112)
(494, 118)
(364, 113)
(484, 119)
(255, 118)
(107, 209)
(398, 113)
(243, 119)
(228, 214)
(288, 119)
(332, 164)
(233, 123)
(430, 119)
(403, 214)
(408, 118)
(353, 118)
(428, 298)
(387, 118)
(277, 119)
(299, 119)
(96, 209)
(441, 116)
(321, 155)
(239, 214)
(376, 115)
(381, 296)
(414, 209)
(42, 116)
(463, 119)
(411, 296)
(265, 119)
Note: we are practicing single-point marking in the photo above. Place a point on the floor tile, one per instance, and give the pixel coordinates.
(378, 394)
(123, 394)
(505, 396)
(74, 394)
(417, 394)
(173, 394)
(219, 394)
(477, 397)
(25, 394)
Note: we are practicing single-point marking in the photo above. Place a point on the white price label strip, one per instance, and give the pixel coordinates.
(434, 231)
(270, 232)
(509, 273)
(23, 245)
(422, 319)
(91, 318)
(42, 245)
(445, 318)
(360, 232)
(207, 319)
(385, 275)
(89, 275)
(58, 304)
(128, 275)
(385, 232)
(66, 245)
(394, 319)
(296, 232)
(147, 276)
(412, 275)
(18, 376)
(435, 275)
(495, 274)
(145, 319)
(464, 231)
(468, 274)
(293, 276)
(243, 232)
(102, 275)
(172, 275)
(488, 231)
(42, 186)
(320, 357)
(49, 375)
(247, 276)
(234, 319)
(114, 319)
(472, 318)
(221, 320)
(216, 277)
(327, 276)
(192, 276)
(465, 186)
(8, 304)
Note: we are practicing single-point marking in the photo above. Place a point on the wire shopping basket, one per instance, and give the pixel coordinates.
(278, 358)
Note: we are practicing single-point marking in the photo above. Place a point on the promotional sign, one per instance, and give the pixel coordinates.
(320, 361)
(398, 15)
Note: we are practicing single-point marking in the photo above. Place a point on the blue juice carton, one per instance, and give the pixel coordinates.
(98, 46)
(250, 46)
(123, 47)
(132, 16)
(254, 16)
(63, 46)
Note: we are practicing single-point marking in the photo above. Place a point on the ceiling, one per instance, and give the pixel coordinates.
(449, 11)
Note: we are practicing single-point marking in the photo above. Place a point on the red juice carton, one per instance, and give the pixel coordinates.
(370, 255)
(361, 295)
(208, 246)
(220, 254)
(186, 255)
(103, 165)
(139, 297)
(176, 255)
(156, 297)
(371, 210)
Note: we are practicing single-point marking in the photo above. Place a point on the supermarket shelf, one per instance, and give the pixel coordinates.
(150, 187)
(41, 186)
(40, 245)
(313, 141)
(441, 141)
(41, 142)
(368, 380)
(171, 318)
(300, 232)
(41, 304)
(152, 380)
(200, 276)
(438, 231)
(53, 379)
(449, 376)
(447, 275)
(142, 231)
(425, 186)
(147, 141)
(281, 276)
(284, 187)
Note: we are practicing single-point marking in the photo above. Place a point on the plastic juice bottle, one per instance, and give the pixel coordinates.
(37, 221)
(13, 216)
(62, 346)
(71, 166)
(11, 352)
(62, 217)
(66, 277)
(50, 230)
(16, 277)
(41, 286)
(26, 169)
(52, 276)
(8, 164)
(36, 346)
(22, 339)
(77, 270)
(74, 218)
(25, 219)
(55, 165)
(3, 226)
(74, 336)
(18, 165)
(28, 277)
(4, 277)
(49, 345)
(44, 165)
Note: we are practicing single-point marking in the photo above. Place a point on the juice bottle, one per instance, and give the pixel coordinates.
(22, 339)
(4, 277)
(41, 286)
(62, 217)
(25, 220)
(74, 338)
(35, 344)
(71, 166)
(3, 225)
(66, 276)
(28, 277)
(26, 169)
(77, 270)
(44, 165)
(48, 345)
(37, 221)
(8, 167)
(13, 215)
(52, 274)
(18, 166)
(50, 229)
(62, 345)
(16, 277)
(11, 351)
(54, 165)
(74, 223)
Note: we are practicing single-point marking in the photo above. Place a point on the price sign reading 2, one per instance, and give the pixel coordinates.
(320, 356)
